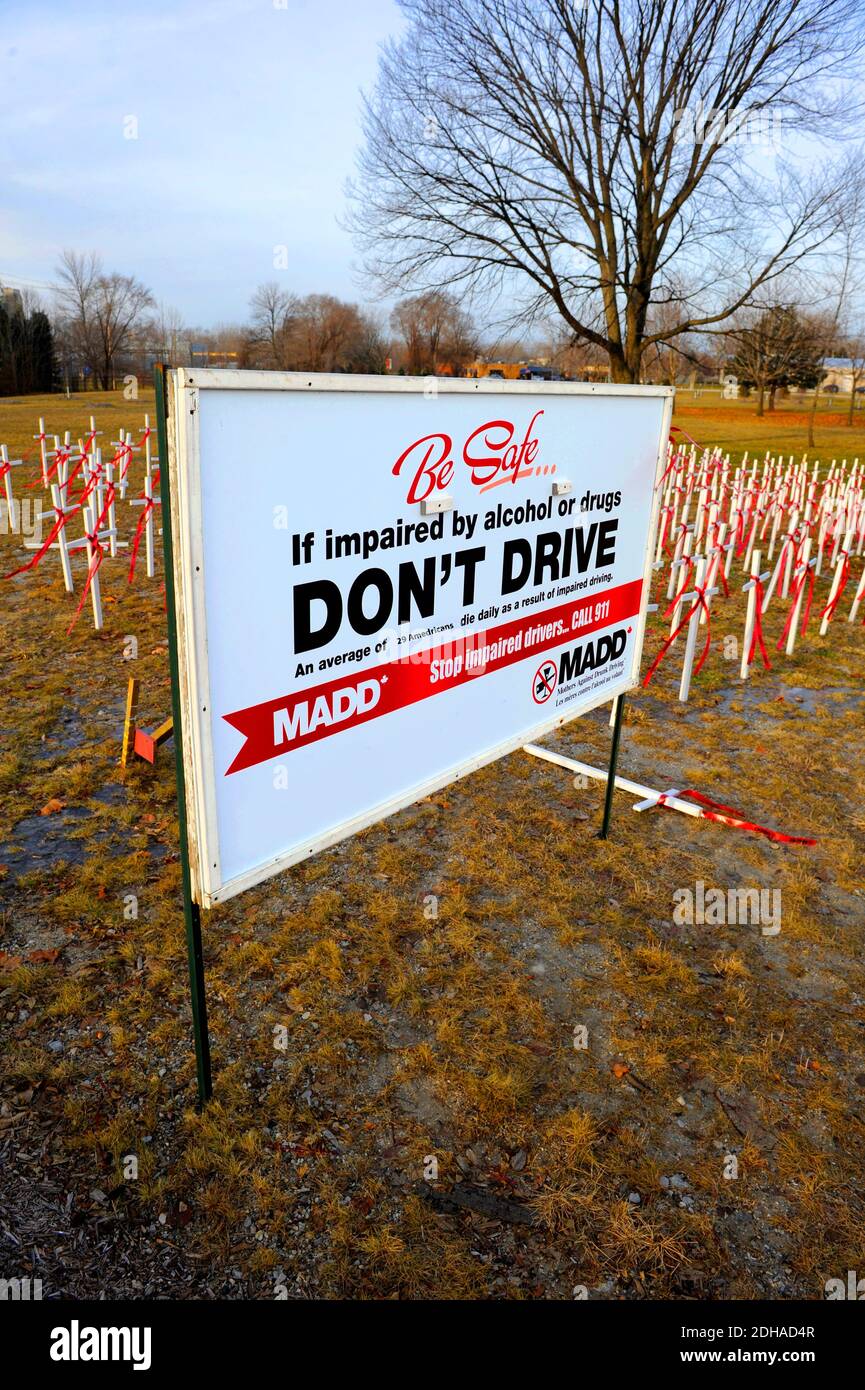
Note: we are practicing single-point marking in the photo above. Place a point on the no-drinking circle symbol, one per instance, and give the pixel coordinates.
(544, 682)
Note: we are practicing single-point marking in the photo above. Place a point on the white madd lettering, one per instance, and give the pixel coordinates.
(298, 720)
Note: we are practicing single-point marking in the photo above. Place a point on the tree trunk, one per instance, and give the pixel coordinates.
(811, 414)
(760, 401)
(622, 372)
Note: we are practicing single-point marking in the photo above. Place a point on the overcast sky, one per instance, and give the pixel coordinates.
(247, 117)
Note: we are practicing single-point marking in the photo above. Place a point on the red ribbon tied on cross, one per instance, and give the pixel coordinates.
(98, 555)
(148, 507)
(757, 634)
(31, 564)
(829, 611)
(806, 577)
(699, 603)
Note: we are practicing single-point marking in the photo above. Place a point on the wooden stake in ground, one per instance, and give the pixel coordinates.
(129, 719)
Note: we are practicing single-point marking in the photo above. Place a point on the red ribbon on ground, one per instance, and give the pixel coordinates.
(726, 815)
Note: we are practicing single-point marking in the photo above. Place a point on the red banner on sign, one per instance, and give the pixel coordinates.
(276, 727)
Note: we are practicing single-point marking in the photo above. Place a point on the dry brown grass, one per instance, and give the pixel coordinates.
(409, 1039)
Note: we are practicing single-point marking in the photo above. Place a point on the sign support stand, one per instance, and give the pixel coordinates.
(611, 774)
(191, 909)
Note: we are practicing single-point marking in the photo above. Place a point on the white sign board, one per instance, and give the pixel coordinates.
(384, 583)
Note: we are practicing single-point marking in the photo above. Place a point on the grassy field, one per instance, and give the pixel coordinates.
(360, 1044)
(735, 426)
(19, 417)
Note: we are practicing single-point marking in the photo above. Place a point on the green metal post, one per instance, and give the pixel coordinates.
(191, 910)
(611, 773)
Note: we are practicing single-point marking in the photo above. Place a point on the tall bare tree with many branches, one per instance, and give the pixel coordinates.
(435, 331)
(101, 313)
(597, 158)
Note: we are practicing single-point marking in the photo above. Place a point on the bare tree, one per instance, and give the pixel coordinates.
(78, 276)
(120, 303)
(318, 333)
(322, 332)
(368, 348)
(843, 281)
(436, 333)
(854, 350)
(557, 154)
(274, 312)
(102, 312)
(775, 347)
(666, 358)
(168, 332)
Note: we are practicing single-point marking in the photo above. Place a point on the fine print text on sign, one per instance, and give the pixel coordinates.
(381, 589)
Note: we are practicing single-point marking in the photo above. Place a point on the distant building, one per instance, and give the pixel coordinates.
(503, 371)
(12, 301)
(541, 369)
(842, 373)
(594, 371)
(515, 371)
(201, 356)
